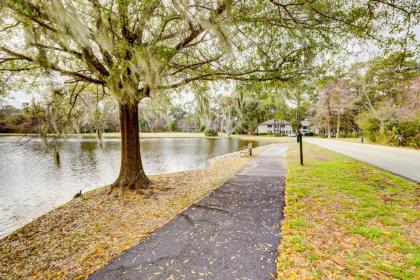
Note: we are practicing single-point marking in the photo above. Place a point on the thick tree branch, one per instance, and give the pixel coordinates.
(245, 76)
(52, 67)
(180, 68)
(73, 52)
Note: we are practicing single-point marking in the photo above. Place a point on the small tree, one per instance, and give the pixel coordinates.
(176, 114)
(324, 109)
(342, 100)
(334, 99)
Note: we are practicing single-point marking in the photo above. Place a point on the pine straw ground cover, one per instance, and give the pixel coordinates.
(74, 240)
(347, 220)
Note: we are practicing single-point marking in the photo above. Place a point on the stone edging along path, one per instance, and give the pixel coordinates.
(233, 233)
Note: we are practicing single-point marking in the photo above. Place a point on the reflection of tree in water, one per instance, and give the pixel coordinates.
(172, 154)
(232, 145)
(211, 147)
(89, 148)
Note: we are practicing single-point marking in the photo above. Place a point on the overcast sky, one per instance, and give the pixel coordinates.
(18, 97)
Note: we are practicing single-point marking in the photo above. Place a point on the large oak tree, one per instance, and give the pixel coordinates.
(135, 49)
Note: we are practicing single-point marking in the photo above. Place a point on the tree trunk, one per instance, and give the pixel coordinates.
(131, 175)
(338, 127)
(329, 118)
(329, 130)
(229, 125)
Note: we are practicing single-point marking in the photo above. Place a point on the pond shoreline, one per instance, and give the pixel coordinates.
(75, 239)
(32, 183)
(112, 135)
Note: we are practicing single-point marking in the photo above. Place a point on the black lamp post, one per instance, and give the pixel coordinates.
(299, 139)
(299, 135)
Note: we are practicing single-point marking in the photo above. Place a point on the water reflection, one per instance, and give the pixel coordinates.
(31, 184)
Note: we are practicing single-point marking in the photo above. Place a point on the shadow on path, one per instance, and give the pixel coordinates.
(233, 233)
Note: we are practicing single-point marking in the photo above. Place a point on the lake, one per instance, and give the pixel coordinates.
(31, 183)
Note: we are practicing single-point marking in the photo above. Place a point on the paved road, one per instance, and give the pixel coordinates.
(233, 233)
(402, 162)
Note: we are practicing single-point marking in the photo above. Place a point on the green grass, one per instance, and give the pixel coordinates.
(355, 140)
(15, 134)
(347, 220)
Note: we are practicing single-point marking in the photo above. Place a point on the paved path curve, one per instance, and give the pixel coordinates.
(233, 233)
(402, 162)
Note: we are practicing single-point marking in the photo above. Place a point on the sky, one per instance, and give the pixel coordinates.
(17, 97)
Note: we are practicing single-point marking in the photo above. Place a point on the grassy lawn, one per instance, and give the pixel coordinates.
(354, 140)
(15, 134)
(268, 138)
(347, 220)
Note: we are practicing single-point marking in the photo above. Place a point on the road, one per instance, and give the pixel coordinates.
(399, 161)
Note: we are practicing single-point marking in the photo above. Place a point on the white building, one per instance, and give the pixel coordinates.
(275, 126)
(283, 127)
(306, 127)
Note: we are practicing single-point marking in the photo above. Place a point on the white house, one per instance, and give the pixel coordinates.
(305, 127)
(275, 126)
(283, 127)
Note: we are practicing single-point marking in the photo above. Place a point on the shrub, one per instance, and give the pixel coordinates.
(6, 128)
(391, 132)
(410, 133)
(210, 132)
(241, 128)
(354, 134)
(370, 125)
(173, 126)
(414, 141)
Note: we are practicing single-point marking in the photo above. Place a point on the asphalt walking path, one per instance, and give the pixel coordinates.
(399, 161)
(233, 233)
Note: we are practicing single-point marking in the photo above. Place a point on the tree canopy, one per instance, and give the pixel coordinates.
(138, 49)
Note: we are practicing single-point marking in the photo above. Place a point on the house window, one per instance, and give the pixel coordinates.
(269, 125)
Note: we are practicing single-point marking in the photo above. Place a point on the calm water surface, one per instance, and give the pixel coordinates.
(31, 183)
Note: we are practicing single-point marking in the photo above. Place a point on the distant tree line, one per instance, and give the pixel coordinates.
(124, 54)
(378, 99)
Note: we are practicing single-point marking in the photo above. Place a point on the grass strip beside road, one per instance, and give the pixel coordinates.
(345, 219)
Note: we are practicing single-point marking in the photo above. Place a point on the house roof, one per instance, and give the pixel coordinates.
(267, 122)
(272, 122)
